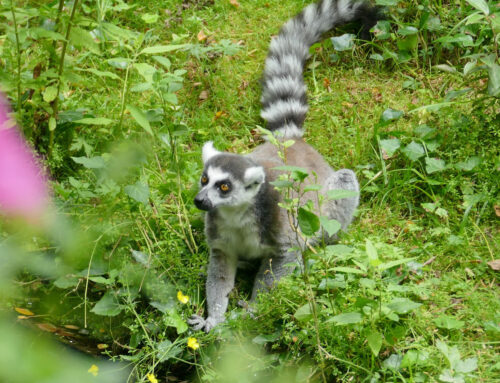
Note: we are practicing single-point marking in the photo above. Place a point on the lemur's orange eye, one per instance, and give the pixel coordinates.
(224, 187)
(204, 180)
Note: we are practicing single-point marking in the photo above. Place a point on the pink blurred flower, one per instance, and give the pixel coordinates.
(23, 188)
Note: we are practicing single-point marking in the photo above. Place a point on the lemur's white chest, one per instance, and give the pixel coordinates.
(238, 235)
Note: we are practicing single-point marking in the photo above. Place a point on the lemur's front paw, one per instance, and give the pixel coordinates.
(197, 323)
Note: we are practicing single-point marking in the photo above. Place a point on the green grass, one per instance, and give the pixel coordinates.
(111, 211)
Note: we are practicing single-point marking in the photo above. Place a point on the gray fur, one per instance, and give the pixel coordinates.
(245, 222)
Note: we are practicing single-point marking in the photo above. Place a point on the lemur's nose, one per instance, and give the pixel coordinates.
(202, 202)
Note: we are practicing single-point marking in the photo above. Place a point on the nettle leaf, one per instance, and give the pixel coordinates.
(140, 118)
(375, 342)
(414, 151)
(167, 350)
(390, 146)
(149, 18)
(140, 257)
(162, 49)
(448, 322)
(371, 252)
(90, 163)
(389, 265)
(341, 193)
(480, 5)
(393, 362)
(414, 358)
(466, 366)
(108, 305)
(138, 191)
(403, 305)
(470, 164)
(348, 270)
(93, 121)
(50, 94)
(494, 80)
(296, 172)
(346, 318)
(331, 226)
(433, 165)
(308, 222)
(391, 115)
(344, 42)
(407, 30)
(303, 313)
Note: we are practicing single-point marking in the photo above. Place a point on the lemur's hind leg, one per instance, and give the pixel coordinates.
(342, 209)
(271, 270)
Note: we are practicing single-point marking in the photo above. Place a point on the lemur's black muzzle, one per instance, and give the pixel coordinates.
(202, 202)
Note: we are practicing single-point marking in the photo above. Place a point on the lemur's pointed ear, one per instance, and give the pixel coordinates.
(254, 175)
(208, 151)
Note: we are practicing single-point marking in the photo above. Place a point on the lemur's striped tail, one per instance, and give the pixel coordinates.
(284, 103)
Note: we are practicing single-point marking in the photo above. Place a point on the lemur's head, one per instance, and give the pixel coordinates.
(227, 180)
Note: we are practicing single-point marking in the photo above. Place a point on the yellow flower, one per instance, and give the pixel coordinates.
(193, 343)
(152, 378)
(182, 298)
(93, 370)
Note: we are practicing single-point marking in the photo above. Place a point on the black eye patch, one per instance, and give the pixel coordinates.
(223, 186)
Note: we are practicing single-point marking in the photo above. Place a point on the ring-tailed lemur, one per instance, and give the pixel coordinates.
(243, 220)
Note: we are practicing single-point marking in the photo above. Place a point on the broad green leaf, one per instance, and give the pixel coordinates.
(66, 281)
(82, 38)
(296, 172)
(389, 265)
(308, 222)
(145, 70)
(119, 62)
(407, 30)
(393, 362)
(375, 342)
(468, 165)
(90, 163)
(466, 366)
(346, 318)
(149, 18)
(391, 115)
(50, 93)
(94, 121)
(139, 256)
(162, 49)
(167, 350)
(494, 80)
(403, 305)
(282, 184)
(341, 193)
(451, 353)
(390, 146)
(448, 322)
(414, 151)
(107, 306)
(371, 252)
(101, 280)
(433, 165)
(103, 73)
(173, 319)
(140, 118)
(405, 45)
(348, 270)
(138, 191)
(303, 313)
(263, 339)
(333, 283)
(163, 61)
(331, 226)
(480, 5)
(344, 42)
(52, 124)
(414, 358)
(460, 39)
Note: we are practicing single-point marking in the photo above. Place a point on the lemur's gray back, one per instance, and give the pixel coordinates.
(284, 101)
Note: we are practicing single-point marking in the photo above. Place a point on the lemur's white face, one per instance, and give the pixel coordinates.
(227, 180)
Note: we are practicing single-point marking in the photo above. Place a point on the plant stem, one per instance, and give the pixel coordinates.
(55, 104)
(18, 52)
